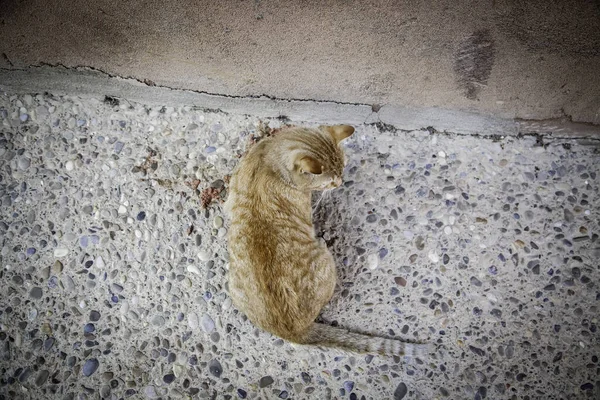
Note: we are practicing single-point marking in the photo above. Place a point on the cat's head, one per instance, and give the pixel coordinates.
(318, 160)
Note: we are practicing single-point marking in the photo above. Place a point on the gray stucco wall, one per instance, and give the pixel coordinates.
(510, 59)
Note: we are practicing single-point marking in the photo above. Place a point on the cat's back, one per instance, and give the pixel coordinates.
(258, 195)
(270, 237)
(265, 214)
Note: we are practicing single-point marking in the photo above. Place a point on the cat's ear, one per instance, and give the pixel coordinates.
(338, 132)
(310, 165)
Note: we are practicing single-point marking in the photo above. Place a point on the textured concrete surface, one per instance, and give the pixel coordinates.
(88, 83)
(94, 84)
(526, 59)
(113, 279)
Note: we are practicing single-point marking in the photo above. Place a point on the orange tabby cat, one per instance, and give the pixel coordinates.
(280, 275)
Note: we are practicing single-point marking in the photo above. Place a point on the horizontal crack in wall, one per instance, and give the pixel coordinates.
(551, 128)
(149, 83)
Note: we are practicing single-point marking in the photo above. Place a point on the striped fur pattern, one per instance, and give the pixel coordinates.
(280, 275)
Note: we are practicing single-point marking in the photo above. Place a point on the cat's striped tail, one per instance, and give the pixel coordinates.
(330, 336)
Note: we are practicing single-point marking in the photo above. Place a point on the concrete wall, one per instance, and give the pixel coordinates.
(510, 59)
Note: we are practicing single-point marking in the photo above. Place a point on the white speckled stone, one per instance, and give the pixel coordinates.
(203, 256)
(373, 261)
(60, 252)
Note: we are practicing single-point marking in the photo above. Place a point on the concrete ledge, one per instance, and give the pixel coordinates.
(86, 82)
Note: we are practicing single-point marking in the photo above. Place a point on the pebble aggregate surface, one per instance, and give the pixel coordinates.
(113, 279)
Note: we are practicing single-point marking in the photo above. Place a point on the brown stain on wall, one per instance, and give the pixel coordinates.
(473, 62)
